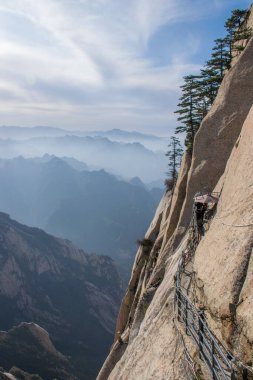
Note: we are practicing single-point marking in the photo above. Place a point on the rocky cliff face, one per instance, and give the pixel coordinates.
(72, 295)
(216, 271)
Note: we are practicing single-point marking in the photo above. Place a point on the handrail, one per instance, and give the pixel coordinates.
(214, 356)
(219, 361)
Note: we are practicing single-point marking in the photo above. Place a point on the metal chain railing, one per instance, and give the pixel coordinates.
(219, 361)
(216, 358)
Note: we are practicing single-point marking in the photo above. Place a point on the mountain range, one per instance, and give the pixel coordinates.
(123, 153)
(78, 205)
(151, 142)
(58, 304)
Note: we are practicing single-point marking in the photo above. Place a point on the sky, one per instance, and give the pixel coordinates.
(103, 64)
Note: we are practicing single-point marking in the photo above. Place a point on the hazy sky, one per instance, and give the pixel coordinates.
(101, 64)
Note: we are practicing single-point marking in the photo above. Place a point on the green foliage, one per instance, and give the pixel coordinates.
(174, 154)
(236, 20)
(199, 91)
(220, 59)
(190, 109)
(237, 30)
(209, 84)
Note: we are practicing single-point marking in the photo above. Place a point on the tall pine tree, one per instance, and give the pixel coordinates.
(189, 110)
(220, 59)
(174, 154)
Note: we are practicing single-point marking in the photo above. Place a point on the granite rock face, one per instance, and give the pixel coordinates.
(228, 245)
(148, 344)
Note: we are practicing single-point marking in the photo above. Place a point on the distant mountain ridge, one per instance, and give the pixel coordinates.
(125, 159)
(72, 295)
(42, 131)
(131, 136)
(75, 164)
(78, 205)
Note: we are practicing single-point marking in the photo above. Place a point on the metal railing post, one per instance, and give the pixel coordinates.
(245, 374)
(186, 315)
(233, 377)
(213, 363)
(200, 333)
(179, 304)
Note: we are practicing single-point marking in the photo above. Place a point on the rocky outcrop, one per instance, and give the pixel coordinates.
(70, 294)
(29, 346)
(149, 343)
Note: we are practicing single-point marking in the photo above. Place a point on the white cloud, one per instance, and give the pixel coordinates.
(84, 60)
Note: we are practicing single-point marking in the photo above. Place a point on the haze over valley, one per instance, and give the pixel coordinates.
(105, 150)
(56, 180)
(77, 204)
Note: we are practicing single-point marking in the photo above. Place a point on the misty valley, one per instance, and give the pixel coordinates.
(126, 190)
(71, 213)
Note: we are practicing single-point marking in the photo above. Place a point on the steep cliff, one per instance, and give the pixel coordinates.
(184, 283)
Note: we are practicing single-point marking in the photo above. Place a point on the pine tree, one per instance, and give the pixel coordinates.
(213, 73)
(210, 85)
(189, 110)
(199, 91)
(174, 154)
(220, 59)
(236, 29)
